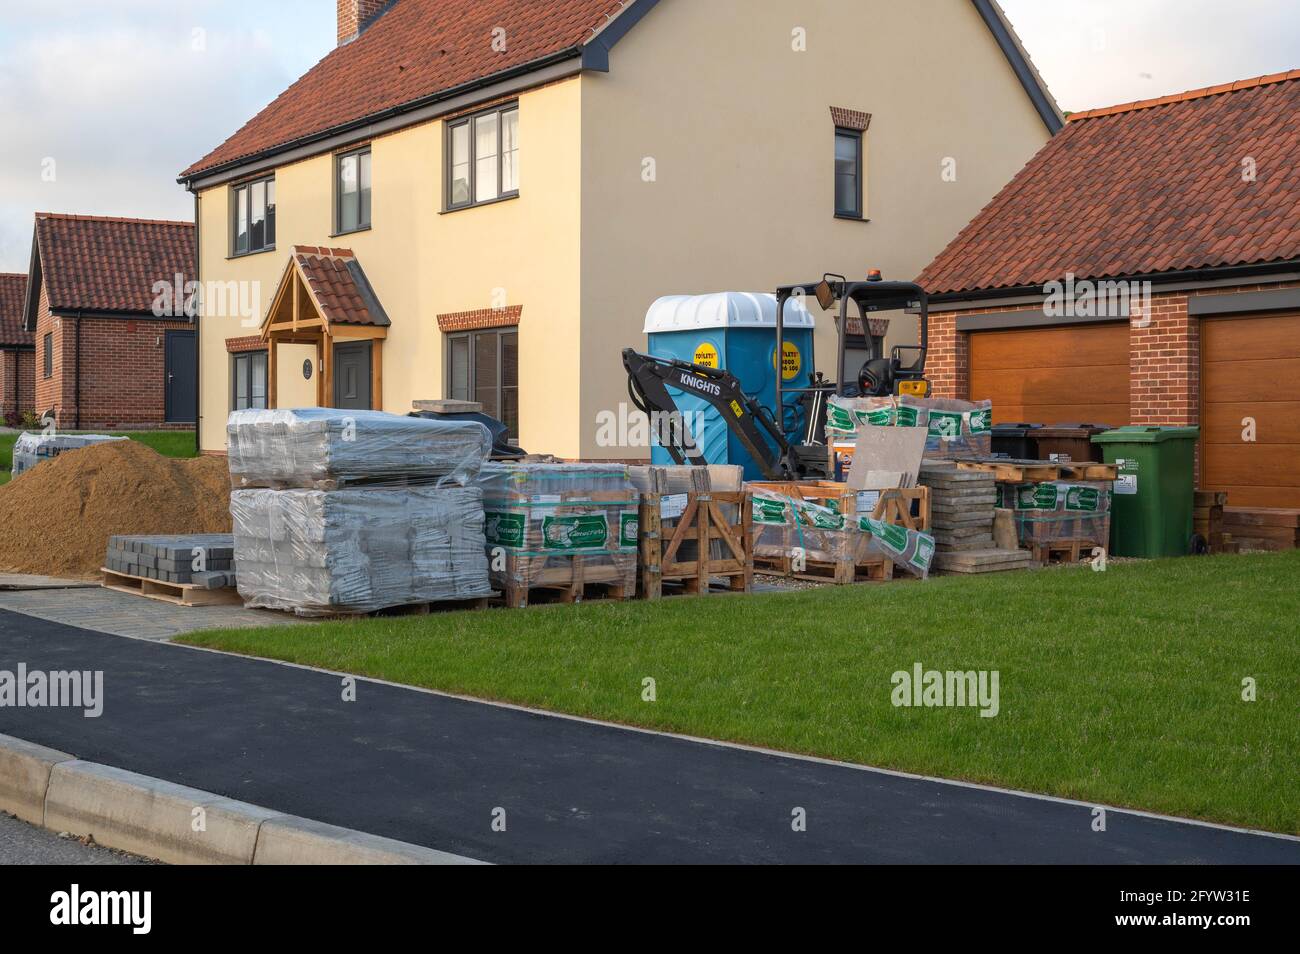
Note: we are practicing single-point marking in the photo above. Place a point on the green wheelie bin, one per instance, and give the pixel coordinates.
(1151, 511)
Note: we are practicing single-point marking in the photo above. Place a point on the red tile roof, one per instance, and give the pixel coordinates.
(416, 49)
(13, 298)
(339, 286)
(93, 263)
(1144, 188)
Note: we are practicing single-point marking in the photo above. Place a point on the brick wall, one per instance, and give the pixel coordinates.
(16, 381)
(123, 371)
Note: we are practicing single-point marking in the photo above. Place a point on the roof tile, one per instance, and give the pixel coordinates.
(1143, 188)
(13, 298)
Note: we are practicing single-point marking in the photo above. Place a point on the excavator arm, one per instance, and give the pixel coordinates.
(648, 381)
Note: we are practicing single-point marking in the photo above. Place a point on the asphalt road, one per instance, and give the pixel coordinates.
(24, 844)
(439, 772)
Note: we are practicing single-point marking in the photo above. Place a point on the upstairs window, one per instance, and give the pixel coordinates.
(253, 216)
(352, 189)
(483, 157)
(848, 173)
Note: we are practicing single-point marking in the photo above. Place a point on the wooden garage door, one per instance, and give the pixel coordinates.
(1250, 367)
(1074, 373)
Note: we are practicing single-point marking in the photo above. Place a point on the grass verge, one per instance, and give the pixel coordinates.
(1123, 687)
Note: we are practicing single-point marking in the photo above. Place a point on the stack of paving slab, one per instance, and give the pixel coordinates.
(205, 560)
(326, 533)
(961, 520)
(32, 448)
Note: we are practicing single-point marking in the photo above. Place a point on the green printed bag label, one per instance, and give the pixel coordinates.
(769, 511)
(945, 425)
(907, 417)
(821, 518)
(503, 529)
(629, 529)
(838, 418)
(980, 420)
(1036, 497)
(579, 532)
(1084, 499)
(877, 417)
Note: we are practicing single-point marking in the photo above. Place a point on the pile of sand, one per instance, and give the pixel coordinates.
(56, 519)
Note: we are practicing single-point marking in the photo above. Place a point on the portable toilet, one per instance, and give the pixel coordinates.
(735, 331)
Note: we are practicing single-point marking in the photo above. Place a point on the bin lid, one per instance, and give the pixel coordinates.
(1142, 434)
(723, 310)
(1083, 431)
(1014, 430)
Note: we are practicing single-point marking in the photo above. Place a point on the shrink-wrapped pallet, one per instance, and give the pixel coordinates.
(326, 448)
(560, 525)
(956, 428)
(319, 552)
(786, 525)
(1059, 511)
(31, 448)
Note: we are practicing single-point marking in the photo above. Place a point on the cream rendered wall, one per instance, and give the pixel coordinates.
(739, 126)
(423, 263)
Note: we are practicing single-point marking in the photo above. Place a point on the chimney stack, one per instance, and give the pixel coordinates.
(355, 16)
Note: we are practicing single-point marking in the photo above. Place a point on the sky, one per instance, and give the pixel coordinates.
(103, 102)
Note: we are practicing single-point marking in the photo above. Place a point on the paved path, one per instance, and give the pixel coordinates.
(123, 614)
(24, 844)
(431, 769)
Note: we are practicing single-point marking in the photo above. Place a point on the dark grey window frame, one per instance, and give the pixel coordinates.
(235, 359)
(47, 364)
(247, 186)
(338, 189)
(469, 120)
(472, 335)
(859, 136)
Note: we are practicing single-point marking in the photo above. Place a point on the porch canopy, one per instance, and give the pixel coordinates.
(324, 299)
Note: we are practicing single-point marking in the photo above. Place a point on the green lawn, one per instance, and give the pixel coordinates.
(167, 443)
(1123, 687)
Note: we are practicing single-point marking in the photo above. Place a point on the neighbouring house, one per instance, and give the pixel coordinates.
(17, 356)
(479, 199)
(1040, 304)
(105, 308)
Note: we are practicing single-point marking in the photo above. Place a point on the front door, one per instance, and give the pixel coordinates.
(352, 375)
(181, 395)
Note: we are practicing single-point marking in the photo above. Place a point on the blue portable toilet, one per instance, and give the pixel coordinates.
(735, 331)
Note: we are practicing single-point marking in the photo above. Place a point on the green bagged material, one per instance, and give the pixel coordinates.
(1060, 511)
(956, 428)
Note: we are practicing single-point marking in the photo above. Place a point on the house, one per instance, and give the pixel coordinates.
(105, 308)
(17, 356)
(480, 199)
(1144, 268)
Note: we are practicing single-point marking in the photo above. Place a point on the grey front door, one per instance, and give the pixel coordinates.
(181, 394)
(352, 375)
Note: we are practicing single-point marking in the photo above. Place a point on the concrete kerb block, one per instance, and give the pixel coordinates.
(25, 777)
(289, 840)
(151, 817)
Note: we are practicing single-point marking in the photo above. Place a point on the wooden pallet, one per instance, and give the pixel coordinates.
(571, 582)
(1263, 528)
(1208, 522)
(1036, 471)
(702, 523)
(1062, 551)
(839, 572)
(180, 594)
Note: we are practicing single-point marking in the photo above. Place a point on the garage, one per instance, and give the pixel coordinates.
(1069, 373)
(1250, 368)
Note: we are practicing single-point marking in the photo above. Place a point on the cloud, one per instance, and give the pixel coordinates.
(116, 105)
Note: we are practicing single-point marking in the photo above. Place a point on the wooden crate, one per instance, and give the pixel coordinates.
(702, 523)
(847, 559)
(181, 594)
(1263, 528)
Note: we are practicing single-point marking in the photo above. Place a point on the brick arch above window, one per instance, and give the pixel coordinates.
(851, 118)
(480, 319)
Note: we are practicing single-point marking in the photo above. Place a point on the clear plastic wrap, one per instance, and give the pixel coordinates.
(1060, 511)
(319, 552)
(560, 525)
(956, 428)
(823, 534)
(327, 448)
(31, 447)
